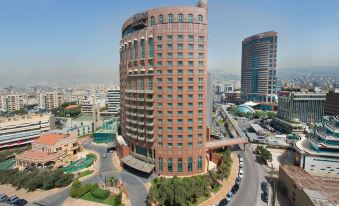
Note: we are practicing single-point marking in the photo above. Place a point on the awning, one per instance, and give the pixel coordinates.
(137, 164)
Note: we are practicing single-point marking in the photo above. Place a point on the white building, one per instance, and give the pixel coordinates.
(113, 101)
(20, 130)
(11, 102)
(50, 100)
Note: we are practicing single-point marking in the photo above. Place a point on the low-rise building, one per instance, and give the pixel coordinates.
(49, 151)
(307, 190)
(20, 130)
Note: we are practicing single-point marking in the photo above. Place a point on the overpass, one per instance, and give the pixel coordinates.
(238, 135)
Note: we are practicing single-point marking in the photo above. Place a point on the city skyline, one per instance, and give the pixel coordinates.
(44, 39)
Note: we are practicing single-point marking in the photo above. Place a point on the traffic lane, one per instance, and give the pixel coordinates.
(136, 189)
(248, 190)
(105, 163)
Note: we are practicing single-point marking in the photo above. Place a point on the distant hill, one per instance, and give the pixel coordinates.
(286, 73)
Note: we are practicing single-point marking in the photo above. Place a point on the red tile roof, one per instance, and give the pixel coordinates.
(71, 107)
(49, 138)
(37, 155)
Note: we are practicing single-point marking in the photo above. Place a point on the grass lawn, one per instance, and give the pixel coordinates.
(85, 173)
(217, 188)
(110, 200)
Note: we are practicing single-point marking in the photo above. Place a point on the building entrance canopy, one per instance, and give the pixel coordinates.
(137, 164)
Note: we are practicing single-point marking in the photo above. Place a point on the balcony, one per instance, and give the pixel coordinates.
(141, 115)
(149, 108)
(150, 124)
(141, 107)
(139, 91)
(141, 138)
(141, 99)
(149, 99)
(150, 132)
(151, 116)
(149, 139)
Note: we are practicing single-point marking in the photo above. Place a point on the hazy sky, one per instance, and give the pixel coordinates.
(73, 41)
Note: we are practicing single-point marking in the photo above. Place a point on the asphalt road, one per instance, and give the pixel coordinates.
(136, 190)
(249, 192)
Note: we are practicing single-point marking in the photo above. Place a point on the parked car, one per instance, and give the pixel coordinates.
(104, 155)
(265, 197)
(241, 173)
(235, 188)
(20, 202)
(241, 164)
(3, 197)
(229, 196)
(238, 180)
(241, 158)
(12, 199)
(223, 202)
(264, 186)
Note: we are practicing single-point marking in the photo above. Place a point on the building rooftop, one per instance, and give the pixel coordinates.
(37, 155)
(320, 190)
(49, 138)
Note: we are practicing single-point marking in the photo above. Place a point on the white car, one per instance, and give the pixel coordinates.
(241, 173)
(229, 196)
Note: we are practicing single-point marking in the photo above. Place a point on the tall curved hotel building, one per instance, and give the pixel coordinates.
(163, 79)
(258, 69)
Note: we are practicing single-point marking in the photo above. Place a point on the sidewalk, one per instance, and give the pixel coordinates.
(226, 184)
(72, 201)
(116, 161)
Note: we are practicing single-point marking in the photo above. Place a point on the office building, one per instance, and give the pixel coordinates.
(163, 84)
(332, 103)
(49, 151)
(258, 69)
(318, 152)
(113, 101)
(304, 189)
(21, 130)
(306, 107)
(50, 100)
(296, 109)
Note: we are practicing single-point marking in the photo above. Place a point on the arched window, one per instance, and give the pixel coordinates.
(180, 18)
(170, 18)
(190, 164)
(161, 19)
(190, 18)
(200, 18)
(152, 21)
(180, 165)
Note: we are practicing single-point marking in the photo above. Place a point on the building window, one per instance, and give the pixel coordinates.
(201, 39)
(190, 144)
(152, 21)
(170, 145)
(201, 47)
(180, 18)
(180, 165)
(190, 55)
(199, 135)
(190, 164)
(180, 47)
(190, 18)
(180, 71)
(180, 55)
(159, 38)
(191, 38)
(199, 144)
(160, 164)
(169, 165)
(201, 63)
(161, 19)
(180, 137)
(159, 47)
(169, 137)
(190, 46)
(170, 18)
(159, 144)
(180, 145)
(169, 55)
(159, 55)
(200, 18)
(169, 46)
(169, 63)
(170, 37)
(199, 163)
(180, 37)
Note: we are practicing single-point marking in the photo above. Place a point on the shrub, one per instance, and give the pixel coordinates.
(99, 193)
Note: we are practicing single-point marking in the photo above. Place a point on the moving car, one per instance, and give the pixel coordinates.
(235, 188)
(104, 155)
(20, 202)
(3, 197)
(12, 199)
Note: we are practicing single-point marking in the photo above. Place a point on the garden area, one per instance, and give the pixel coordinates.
(265, 154)
(189, 191)
(32, 180)
(109, 194)
(62, 110)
